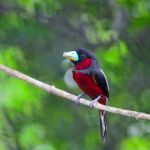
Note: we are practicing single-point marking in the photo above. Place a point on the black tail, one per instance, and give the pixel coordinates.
(103, 125)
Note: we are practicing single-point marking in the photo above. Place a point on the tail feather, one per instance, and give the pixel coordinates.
(103, 125)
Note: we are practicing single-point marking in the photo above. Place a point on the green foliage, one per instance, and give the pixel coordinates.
(113, 58)
(135, 143)
(12, 56)
(21, 97)
(32, 135)
(115, 54)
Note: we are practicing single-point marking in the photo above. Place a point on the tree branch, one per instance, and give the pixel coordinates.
(64, 94)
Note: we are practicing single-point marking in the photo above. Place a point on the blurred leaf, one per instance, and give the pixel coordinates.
(12, 56)
(145, 96)
(115, 53)
(44, 147)
(31, 136)
(21, 98)
(15, 94)
(135, 143)
(10, 20)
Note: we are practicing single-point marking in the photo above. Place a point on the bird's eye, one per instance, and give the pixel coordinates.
(82, 56)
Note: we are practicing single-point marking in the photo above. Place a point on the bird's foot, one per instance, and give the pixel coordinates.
(94, 101)
(77, 101)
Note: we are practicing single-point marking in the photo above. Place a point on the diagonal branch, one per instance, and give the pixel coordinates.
(58, 92)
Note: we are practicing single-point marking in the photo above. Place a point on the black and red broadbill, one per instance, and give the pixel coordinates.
(91, 80)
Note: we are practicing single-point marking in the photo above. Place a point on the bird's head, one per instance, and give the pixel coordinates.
(78, 55)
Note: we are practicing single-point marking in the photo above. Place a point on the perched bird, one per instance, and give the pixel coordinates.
(91, 80)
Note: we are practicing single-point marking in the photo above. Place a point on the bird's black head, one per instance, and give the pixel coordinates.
(78, 55)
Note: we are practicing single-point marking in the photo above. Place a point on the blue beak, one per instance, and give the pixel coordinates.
(72, 55)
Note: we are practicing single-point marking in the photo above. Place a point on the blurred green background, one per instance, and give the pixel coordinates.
(33, 36)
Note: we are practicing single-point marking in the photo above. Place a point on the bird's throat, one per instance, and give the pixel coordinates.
(84, 64)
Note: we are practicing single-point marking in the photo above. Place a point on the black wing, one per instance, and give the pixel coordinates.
(101, 80)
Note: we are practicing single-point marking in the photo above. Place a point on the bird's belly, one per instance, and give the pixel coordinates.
(87, 84)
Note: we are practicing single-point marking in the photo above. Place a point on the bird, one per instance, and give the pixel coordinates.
(91, 80)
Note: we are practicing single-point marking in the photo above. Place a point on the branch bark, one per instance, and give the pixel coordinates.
(69, 96)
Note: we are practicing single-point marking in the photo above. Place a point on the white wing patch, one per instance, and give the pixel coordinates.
(105, 78)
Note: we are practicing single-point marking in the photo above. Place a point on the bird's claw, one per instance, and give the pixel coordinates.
(94, 102)
(77, 101)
